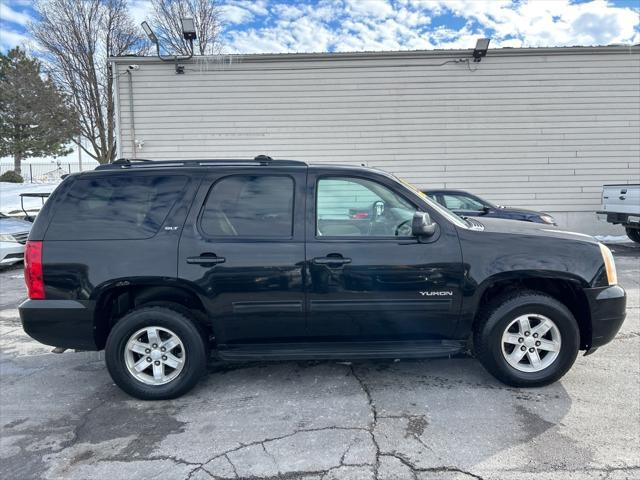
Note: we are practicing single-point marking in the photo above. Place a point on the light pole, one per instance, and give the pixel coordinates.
(188, 33)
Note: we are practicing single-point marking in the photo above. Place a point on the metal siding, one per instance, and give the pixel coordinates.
(541, 131)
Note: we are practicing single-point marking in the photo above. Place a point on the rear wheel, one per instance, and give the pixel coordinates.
(526, 339)
(633, 234)
(156, 353)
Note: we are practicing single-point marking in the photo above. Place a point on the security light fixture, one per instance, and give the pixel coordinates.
(188, 29)
(482, 45)
(149, 32)
(189, 34)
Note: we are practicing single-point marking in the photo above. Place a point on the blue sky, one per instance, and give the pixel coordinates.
(260, 26)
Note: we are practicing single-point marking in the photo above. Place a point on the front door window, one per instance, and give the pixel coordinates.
(354, 207)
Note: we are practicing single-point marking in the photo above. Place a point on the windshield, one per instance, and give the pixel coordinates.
(452, 217)
(463, 201)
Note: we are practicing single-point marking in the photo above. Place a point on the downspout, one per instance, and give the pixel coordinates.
(118, 110)
(131, 117)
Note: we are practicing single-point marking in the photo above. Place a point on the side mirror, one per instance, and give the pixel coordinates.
(422, 225)
(485, 210)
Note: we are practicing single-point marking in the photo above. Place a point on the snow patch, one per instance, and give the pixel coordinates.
(613, 239)
(10, 195)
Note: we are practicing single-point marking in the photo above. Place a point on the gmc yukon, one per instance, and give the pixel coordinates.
(165, 264)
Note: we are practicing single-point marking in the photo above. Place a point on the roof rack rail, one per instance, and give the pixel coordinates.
(129, 161)
(262, 160)
(125, 162)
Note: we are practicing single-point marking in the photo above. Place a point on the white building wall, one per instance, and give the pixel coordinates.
(534, 128)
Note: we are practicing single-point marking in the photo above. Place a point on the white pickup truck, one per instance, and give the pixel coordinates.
(621, 205)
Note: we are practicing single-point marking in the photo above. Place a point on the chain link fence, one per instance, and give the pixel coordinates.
(47, 171)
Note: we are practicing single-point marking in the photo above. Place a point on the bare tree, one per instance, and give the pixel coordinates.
(77, 37)
(206, 16)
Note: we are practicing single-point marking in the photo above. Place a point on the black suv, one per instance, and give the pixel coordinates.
(163, 263)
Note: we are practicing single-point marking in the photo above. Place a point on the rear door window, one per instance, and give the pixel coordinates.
(115, 207)
(249, 206)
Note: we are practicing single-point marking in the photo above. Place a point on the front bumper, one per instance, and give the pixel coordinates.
(59, 323)
(11, 252)
(608, 307)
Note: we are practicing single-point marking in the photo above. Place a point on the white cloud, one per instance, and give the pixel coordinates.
(287, 12)
(412, 18)
(299, 35)
(236, 14)
(140, 10)
(539, 23)
(369, 8)
(8, 14)
(258, 7)
(10, 38)
(324, 11)
(357, 25)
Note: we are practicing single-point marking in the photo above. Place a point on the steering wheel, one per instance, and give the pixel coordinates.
(404, 229)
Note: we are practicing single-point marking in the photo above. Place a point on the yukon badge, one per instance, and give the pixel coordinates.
(443, 293)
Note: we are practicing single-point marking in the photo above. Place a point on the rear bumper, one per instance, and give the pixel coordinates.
(59, 323)
(619, 218)
(608, 307)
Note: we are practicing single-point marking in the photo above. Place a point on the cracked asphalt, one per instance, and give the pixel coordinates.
(61, 416)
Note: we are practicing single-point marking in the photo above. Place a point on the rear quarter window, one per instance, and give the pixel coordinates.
(115, 207)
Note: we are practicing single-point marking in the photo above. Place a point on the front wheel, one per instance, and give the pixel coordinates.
(633, 234)
(526, 339)
(155, 353)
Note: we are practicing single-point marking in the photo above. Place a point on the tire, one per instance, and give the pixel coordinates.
(633, 234)
(186, 358)
(504, 317)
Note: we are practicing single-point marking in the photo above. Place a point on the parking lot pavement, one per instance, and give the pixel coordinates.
(62, 417)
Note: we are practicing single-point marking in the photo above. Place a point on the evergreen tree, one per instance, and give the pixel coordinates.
(35, 118)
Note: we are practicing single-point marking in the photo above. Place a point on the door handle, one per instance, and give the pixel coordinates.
(331, 261)
(206, 259)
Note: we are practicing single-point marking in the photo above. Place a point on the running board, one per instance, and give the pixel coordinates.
(341, 350)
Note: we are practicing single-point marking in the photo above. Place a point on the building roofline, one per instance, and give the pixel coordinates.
(417, 54)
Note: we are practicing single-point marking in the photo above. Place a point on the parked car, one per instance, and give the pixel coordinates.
(160, 263)
(621, 206)
(468, 205)
(13, 236)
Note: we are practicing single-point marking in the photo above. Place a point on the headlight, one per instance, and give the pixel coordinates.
(548, 219)
(609, 264)
(5, 237)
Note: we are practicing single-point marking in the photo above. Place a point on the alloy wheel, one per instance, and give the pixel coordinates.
(531, 343)
(154, 355)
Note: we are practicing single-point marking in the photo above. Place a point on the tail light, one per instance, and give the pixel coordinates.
(33, 270)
